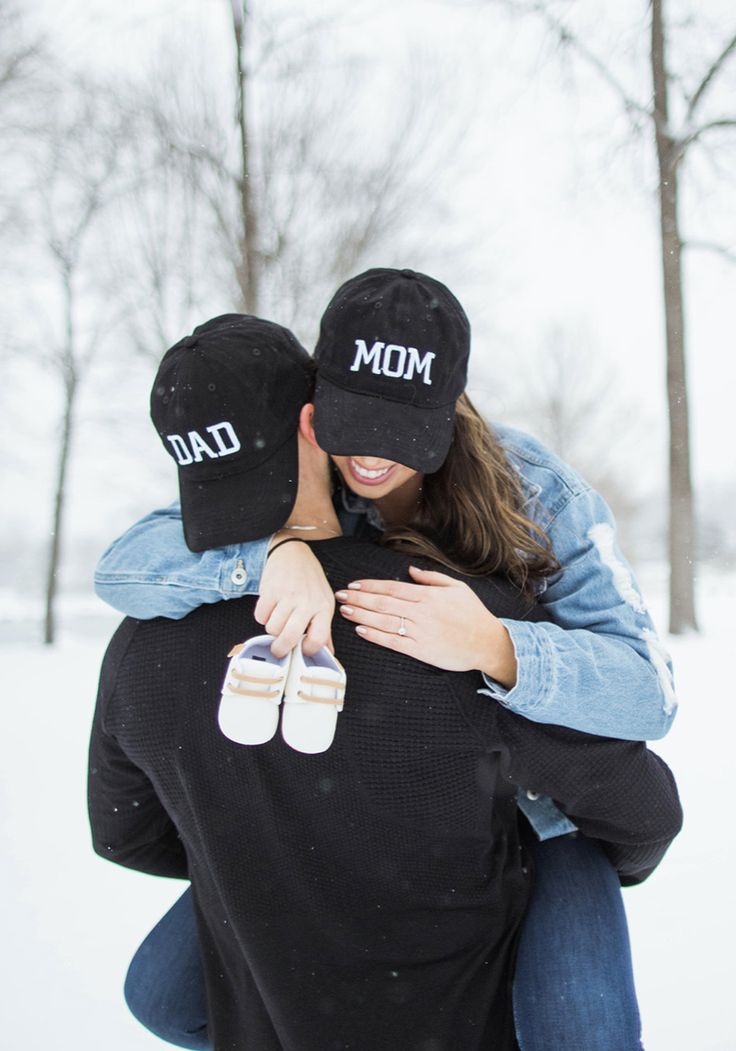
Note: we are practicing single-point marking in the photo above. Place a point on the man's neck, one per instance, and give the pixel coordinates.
(313, 521)
(313, 516)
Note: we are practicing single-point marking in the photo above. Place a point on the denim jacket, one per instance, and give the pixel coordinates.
(598, 667)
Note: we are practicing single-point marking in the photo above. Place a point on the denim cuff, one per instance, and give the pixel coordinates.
(241, 568)
(535, 677)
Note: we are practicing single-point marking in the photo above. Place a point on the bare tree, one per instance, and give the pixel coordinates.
(672, 148)
(77, 175)
(248, 270)
(673, 142)
(299, 192)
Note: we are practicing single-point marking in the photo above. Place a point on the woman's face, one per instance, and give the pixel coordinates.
(372, 477)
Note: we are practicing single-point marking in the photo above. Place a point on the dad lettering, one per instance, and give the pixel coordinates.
(189, 449)
(393, 360)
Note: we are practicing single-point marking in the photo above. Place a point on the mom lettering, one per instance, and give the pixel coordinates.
(391, 359)
(190, 447)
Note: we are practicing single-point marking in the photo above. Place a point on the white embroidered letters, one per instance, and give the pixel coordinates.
(227, 427)
(363, 356)
(199, 446)
(189, 450)
(393, 349)
(420, 366)
(183, 456)
(393, 360)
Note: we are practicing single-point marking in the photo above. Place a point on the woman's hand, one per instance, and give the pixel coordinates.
(295, 600)
(444, 623)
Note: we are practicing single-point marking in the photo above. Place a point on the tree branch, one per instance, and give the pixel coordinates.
(710, 76)
(723, 122)
(713, 247)
(567, 38)
(201, 154)
(14, 67)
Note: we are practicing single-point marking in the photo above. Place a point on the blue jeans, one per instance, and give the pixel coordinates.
(574, 984)
(573, 990)
(164, 987)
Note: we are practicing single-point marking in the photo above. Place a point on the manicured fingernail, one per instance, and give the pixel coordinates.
(355, 586)
(361, 630)
(347, 609)
(341, 596)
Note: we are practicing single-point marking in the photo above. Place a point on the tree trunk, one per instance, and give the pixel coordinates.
(248, 270)
(59, 500)
(70, 390)
(681, 509)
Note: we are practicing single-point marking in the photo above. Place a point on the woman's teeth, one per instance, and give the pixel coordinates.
(363, 472)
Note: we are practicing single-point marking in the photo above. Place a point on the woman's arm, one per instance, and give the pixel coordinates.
(598, 665)
(598, 668)
(150, 572)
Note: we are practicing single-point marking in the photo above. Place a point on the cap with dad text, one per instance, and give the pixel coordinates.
(226, 403)
(392, 360)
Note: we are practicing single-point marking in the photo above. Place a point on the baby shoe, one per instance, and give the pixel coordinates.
(314, 694)
(252, 691)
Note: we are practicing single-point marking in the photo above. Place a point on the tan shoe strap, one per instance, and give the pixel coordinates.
(307, 680)
(320, 700)
(255, 678)
(243, 692)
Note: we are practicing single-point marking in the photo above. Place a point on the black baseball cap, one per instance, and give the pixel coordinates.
(392, 360)
(226, 403)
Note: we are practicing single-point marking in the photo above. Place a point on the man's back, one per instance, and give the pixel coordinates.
(368, 897)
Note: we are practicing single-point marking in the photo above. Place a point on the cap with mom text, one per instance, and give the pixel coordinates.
(226, 403)
(392, 360)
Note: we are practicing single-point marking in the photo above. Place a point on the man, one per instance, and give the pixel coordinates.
(367, 897)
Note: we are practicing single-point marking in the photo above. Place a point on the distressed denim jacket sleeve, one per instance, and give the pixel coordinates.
(150, 572)
(599, 665)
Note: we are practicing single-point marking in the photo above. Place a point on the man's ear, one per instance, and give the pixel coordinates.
(306, 424)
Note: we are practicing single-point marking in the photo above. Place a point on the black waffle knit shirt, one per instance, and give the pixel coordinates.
(368, 898)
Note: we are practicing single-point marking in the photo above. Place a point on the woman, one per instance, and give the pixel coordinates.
(392, 359)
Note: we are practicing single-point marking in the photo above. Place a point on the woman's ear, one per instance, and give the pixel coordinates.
(306, 424)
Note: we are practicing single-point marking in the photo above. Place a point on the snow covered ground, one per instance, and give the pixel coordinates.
(71, 921)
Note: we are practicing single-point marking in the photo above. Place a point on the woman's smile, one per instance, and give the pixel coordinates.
(373, 477)
(370, 475)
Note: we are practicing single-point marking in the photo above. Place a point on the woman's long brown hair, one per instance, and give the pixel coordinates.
(470, 515)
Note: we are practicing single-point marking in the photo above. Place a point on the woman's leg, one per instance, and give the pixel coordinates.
(574, 985)
(164, 987)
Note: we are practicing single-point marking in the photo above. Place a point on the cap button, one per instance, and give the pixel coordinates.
(410, 274)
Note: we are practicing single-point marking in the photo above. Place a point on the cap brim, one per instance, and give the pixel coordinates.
(235, 508)
(349, 424)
